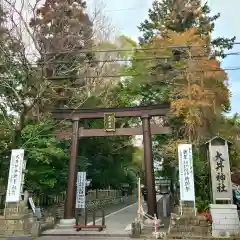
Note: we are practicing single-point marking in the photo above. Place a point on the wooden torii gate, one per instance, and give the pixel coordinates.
(109, 114)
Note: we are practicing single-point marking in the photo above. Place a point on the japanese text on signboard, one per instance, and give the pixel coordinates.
(15, 176)
(220, 172)
(220, 175)
(81, 185)
(109, 122)
(186, 177)
(186, 170)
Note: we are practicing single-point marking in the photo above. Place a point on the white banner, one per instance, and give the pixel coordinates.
(186, 177)
(15, 176)
(81, 185)
(32, 204)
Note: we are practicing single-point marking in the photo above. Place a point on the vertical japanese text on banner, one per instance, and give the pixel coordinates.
(81, 188)
(15, 176)
(186, 178)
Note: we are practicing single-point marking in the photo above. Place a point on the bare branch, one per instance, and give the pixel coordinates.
(15, 11)
(103, 29)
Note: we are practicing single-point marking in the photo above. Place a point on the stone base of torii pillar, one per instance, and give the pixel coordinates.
(66, 223)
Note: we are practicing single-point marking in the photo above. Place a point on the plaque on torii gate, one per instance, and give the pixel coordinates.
(109, 115)
(109, 122)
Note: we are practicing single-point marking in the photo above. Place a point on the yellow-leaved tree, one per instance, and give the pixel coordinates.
(195, 83)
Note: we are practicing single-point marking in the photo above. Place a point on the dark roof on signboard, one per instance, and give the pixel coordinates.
(218, 137)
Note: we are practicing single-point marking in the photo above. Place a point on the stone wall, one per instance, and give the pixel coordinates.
(2, 225)
(15, 221)
(50, 216)
(225, 220)
(55, 204)
(188, 226)
(45, 201)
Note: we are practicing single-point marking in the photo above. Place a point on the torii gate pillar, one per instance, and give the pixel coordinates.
(148, 162)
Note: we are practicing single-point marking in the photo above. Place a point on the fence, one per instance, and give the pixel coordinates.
(44, 200)
(102, 194)
(2, 203)
(47, 200)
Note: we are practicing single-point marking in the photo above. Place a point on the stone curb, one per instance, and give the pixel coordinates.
(96, 234)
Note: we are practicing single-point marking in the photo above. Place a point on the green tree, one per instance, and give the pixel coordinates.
(162, 74)
(228, 127)
(47, 158)
(169, 17)
(22, 84)
(61, 28)
(180, 15)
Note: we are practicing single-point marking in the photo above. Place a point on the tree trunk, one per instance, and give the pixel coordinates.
(17, 141)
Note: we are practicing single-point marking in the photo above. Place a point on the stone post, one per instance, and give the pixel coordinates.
(16, 219)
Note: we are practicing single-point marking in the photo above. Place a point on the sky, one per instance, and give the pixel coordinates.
(128, 14)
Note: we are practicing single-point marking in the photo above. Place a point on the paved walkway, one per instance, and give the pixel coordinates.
(118, 224)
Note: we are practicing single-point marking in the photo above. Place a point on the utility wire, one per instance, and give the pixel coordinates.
(124, 9)
(53, 62)
(129, 75)
(159, 81)
(68, 77)
(133, 49)
(136, 75)
(58, 78)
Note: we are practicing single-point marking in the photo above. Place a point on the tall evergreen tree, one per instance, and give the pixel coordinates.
(63, 28)
(177, 16)
(180, 15)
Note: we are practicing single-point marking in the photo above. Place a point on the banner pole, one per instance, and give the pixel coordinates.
(139, 198)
